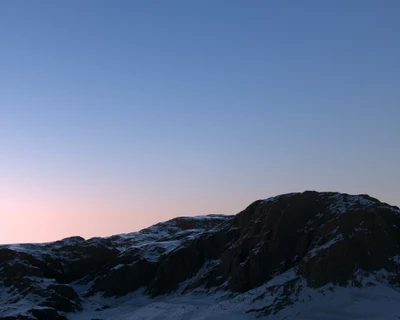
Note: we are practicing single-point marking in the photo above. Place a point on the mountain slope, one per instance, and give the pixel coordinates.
(278, 257)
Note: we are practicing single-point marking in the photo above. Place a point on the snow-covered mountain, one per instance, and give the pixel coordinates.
(303, 255)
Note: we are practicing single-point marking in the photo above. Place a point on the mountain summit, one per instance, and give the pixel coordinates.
(303, 255)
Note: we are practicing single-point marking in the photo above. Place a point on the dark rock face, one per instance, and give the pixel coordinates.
(328, 236)
(62, 297)
(46, 314)
(324, 237)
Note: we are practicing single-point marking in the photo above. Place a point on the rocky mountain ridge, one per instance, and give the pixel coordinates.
(311, 240)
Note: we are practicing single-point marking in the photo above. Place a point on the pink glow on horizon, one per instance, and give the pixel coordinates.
(26, 219)
(28, 222)
(38, 219)
(29, 214)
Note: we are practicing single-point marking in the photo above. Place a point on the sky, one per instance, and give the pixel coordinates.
(115, 115)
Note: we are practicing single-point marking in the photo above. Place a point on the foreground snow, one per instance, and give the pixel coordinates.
(375, 300)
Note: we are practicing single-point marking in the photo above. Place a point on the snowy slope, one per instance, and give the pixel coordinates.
(375, 300)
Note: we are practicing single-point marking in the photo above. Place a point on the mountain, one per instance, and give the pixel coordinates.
(303, 255)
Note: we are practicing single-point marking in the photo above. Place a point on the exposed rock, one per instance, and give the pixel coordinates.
(46, 314)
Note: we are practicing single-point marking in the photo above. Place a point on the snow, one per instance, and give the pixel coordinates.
(33, 249)
(118, 266)
(315, 251)
(344, 202)
(377, 301)
(396, 259)
(10, 308)
(340, 202)
(276, 198)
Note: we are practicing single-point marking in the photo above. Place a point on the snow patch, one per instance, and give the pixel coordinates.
(315, 251)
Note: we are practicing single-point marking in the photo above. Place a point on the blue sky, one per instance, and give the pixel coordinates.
(146, 110)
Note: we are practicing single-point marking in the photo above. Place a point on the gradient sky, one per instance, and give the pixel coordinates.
(115, 115)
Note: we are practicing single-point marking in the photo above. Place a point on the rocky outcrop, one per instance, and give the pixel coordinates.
(324, 237)
(327, 236)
